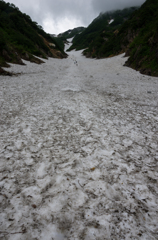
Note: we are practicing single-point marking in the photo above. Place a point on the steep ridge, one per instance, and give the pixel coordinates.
(61, 38)
(138, 37)
(21, 38)
(143, 50)
(71, 32)
(99, 31)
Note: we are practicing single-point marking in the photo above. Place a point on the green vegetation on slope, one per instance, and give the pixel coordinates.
(143, 50)
(99, 31)
(71, 32)
(20, 37)
(61, 39)
(138, 37)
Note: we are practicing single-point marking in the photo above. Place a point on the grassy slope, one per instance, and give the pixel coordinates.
(143, 50)
(99, 31)
(23, 38)
(138, 37)
(61, 39)
(71, 32)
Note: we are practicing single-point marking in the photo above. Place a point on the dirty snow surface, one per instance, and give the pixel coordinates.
(78, 151)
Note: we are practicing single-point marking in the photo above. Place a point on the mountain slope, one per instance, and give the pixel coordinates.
(61, 39)
(71, 32)
(138, 37)
(100, 30)
(21, 38)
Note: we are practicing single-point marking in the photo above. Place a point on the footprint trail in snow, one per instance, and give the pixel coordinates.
(78, 151)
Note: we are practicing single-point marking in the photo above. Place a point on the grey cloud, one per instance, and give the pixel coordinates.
(81, 11)
(57, 9)
(106, 5)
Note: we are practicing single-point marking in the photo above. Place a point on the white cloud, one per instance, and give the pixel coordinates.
(51, 26)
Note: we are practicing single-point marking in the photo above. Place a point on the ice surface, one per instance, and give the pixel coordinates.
(78, 151)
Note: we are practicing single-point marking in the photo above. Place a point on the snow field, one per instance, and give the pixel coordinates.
(78, 151)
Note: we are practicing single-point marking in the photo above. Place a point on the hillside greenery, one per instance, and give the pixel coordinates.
(99, 31)
(138, 37)
(71, 32)
(61, 39)
(20, 37)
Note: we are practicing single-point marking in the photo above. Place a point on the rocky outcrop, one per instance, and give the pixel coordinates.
(5, 73)
(11, 55)
(53, 50)
(144, 57)
(29, 57)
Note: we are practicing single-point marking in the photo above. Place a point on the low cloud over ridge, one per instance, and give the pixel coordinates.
(58, 16)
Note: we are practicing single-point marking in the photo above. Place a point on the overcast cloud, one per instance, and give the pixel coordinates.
(57, 16)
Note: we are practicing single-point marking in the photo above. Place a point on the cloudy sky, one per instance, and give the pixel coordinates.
(57, 16)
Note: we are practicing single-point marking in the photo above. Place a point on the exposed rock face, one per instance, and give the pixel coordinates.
(31, 58)
(3, 72)
(6, 55)
(146, 71)
(12, 56)
(55, 52)
(143, 62)
(26, 56)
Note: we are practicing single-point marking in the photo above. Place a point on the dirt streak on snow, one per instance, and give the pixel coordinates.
(78, 151)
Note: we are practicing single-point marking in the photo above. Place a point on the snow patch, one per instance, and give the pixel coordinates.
(111, 21)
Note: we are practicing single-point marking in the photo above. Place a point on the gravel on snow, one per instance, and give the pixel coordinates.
(78, 151)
